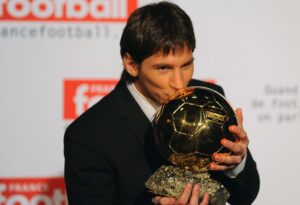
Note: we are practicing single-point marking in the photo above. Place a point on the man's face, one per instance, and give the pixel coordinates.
(160, 76)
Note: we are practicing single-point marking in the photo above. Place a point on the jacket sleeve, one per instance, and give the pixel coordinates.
(244, 188)
(88, 175)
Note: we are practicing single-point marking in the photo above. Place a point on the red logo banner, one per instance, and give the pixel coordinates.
(79, 95)
(33, 191)
(67, 10)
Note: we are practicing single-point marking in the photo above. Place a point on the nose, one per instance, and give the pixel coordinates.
(176, 81)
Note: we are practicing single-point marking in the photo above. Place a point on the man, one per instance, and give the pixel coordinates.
(109, 152)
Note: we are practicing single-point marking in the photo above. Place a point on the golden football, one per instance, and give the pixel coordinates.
(189, 127)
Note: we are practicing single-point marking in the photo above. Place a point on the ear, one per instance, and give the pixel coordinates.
(131, 67)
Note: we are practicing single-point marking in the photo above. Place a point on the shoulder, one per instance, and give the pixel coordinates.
(98, 116)
(213, 86)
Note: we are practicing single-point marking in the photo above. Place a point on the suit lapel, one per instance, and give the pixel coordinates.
(131, 114)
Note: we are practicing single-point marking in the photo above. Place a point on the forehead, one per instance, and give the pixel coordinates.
(179, 53)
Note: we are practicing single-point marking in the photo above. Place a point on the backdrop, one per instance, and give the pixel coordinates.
(58, 57)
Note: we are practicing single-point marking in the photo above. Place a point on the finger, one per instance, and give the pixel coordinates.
(184, 198)
(195, 195)
(167, 201)
(239, 115)
(220, 167)
(239, 132)
(238, 148)
(205, 199)
(163, 200)
(227, 159)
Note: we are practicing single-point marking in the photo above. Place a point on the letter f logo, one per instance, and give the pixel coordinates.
(80, 99)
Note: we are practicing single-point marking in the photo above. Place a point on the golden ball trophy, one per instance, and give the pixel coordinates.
(187, 130)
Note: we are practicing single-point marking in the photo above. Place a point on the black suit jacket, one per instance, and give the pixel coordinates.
(109, 154)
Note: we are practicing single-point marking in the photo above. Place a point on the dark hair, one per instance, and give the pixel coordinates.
(156, 27)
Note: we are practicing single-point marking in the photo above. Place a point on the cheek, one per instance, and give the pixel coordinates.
(159, 89)
(188, 76)
(158, 82)
(154, 87)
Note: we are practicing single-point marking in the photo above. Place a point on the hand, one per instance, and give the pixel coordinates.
(239, 148)
(189, 196)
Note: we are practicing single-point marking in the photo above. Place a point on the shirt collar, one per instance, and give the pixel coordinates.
(146, 104)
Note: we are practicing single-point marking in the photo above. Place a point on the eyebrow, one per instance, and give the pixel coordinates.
(188, 62)
(169, 65)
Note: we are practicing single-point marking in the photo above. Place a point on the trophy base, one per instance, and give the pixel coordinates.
(170, 181)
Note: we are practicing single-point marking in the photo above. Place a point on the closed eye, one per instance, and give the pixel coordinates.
(163, 68)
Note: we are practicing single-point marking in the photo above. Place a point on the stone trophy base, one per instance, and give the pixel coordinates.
(170, 181)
